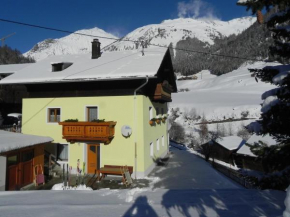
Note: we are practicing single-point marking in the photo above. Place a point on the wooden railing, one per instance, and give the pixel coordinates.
(88, 131)
(162, 93)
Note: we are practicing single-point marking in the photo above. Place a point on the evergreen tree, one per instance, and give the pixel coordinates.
(275, 116)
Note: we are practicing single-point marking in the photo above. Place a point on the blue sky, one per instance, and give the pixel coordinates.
(115, 16)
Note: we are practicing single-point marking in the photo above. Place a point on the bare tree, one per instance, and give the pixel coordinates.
(230, 129)
(177, 132)
(203, 130)
(244, 133)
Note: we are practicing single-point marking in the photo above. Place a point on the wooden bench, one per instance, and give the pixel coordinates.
(112, 170)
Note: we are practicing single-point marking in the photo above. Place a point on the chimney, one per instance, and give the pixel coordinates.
(96, 49)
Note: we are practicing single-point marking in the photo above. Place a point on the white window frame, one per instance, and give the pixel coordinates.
(86, 111)
(150, 112)
(158, 144)
(151, 149)
(163, 142)
(68, 148)
(47, 113)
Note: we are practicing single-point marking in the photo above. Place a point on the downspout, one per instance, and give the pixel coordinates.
(135, 123)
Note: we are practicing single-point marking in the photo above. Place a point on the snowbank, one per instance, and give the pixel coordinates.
(61, 187)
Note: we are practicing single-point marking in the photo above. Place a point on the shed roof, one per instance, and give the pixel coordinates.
(245, 150)
(11, 141)
(111, 65)
(231, 142)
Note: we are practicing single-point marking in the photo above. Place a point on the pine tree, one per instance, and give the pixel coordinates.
(275, 113)
(275, 118)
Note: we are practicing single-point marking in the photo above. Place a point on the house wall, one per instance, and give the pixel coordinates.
(2, 173)
(152, 133)
(121, 151)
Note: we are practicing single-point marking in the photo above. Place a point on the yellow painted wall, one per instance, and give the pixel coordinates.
(121, 151)
(152, 133)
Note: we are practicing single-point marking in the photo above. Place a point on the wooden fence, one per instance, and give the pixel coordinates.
(234, 175)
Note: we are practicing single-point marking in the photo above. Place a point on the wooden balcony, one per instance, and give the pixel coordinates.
(102, 132)
(163, 93)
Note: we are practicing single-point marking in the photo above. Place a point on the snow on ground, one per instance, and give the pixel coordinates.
(188, 186)
(223, 96)
(230, 96)
(195, 174)
(61, 187)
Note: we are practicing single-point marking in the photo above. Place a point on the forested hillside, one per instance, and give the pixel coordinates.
(10, 56)
(253, 43)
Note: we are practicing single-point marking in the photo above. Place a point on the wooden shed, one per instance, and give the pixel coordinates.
(223, 148)
(19, 154)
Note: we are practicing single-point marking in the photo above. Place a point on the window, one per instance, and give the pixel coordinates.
(152, 149)
(62, 152)
(92, 113)
(57, 67)
(157, 111)
(158, 145)
(163, 141)
(54, 115)
(27, 156)
(150, 113)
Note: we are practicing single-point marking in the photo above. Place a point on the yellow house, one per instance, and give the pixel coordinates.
(97, 108)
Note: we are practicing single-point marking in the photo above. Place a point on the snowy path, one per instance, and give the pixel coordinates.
(205, 193)
(188, 171)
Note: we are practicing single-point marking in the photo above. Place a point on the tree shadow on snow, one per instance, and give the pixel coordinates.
(223, 202)
(141, 207)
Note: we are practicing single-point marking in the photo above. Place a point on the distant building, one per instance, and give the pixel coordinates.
(223, 148)
(244, 157)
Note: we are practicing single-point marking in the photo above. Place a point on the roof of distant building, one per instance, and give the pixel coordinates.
(245, 149)
(12, 68)
(231, 142)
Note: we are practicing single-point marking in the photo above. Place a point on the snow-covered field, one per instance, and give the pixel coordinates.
(228, 96)
(188, 186)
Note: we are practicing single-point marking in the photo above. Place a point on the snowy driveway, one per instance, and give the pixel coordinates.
(200, 192)
(188, 171)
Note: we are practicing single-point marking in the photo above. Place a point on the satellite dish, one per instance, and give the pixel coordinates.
(126, 131)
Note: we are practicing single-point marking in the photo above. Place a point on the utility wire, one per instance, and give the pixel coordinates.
(123, 39)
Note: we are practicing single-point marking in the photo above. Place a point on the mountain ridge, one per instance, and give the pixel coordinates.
(165, 33)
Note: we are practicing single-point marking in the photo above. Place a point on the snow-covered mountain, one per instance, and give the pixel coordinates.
(71, 44)
(172, 31)
(169, 31)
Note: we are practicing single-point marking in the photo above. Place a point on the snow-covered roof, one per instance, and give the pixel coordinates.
(245, 150)
(10, 141)
(231, 142)
(12, 68)
(111, 65)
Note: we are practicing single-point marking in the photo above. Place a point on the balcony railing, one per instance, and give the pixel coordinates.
(102, 132)
(163, 93)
